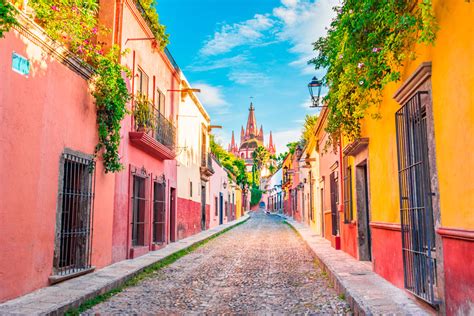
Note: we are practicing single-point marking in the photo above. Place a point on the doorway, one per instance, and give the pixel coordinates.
(333, 185)
(221, 206)
(172, 215)
(363, 214)
(203, 207)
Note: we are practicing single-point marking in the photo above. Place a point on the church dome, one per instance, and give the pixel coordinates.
(250, 144)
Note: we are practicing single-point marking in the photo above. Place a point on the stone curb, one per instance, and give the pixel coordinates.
(59, 298)
(366, 292)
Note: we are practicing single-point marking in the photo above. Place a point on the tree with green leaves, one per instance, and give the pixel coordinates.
(365, 48)
(234, 165)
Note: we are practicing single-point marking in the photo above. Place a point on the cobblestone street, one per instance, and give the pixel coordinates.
(261, 266)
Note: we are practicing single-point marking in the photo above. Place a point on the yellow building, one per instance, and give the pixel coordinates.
(411, 174)
(239, 212)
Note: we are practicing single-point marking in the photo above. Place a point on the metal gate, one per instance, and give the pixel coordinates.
(418, 236)
(159, 211)
(74, 232)
(334, 196)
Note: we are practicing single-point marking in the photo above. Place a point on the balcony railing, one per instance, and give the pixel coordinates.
(162, 129)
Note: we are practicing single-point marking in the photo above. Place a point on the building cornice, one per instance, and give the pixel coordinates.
(36, 34)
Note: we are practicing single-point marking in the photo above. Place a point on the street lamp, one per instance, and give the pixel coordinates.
(224, 184)
(315, 87)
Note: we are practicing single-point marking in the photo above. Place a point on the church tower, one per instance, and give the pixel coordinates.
(250, 139)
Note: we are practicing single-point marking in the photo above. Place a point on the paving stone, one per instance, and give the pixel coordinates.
(72, 293)
(261, 267)
(367, 292)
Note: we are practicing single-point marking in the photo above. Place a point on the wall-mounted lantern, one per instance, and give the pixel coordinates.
(314, 88)
(224, 184)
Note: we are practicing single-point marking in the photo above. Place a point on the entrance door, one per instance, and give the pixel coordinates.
(203, 207)
(334, 197)
(363, 216)
(416, 211)
(221, 206)
(172, 215)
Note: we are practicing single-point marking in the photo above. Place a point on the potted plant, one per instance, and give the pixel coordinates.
(143, 114)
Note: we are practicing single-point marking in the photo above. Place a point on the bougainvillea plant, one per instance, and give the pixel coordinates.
(74, 23)
(7, 17)
(366, 45)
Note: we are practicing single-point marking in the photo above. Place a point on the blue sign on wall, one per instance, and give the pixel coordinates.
(20, 64)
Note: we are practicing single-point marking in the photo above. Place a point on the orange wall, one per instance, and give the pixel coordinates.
(42, 114)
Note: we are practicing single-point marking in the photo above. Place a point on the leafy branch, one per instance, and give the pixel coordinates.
(366, 46)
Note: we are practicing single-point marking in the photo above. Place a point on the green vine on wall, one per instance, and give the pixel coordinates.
(364, 50)
(7, 17)
(111, 97)
(74, 23)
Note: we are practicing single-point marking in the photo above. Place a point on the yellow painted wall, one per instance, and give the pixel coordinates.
(238, 202)
(452, 80)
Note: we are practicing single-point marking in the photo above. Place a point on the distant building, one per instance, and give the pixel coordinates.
(250, 139)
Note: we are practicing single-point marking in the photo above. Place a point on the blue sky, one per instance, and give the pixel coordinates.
(237, 49)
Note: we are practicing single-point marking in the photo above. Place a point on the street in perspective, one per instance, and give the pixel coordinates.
(237, 157)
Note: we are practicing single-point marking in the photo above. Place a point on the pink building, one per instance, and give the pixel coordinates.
(145, 191)
(47, 190)
(219, 184)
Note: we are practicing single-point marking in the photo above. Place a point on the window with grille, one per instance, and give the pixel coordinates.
(74, 231)
(217, 206)
(139, 203)
(159, 212)
(416, 209)
(190, 189)
(347, 192)
(142, 84)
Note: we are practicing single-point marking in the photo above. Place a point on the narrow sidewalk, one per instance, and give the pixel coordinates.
(365, 291)
(59, 298)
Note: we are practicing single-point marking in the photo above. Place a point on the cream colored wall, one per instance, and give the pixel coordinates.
(190, 128)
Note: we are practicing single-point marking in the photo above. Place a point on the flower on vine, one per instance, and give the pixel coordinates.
(80, 49)
(74, 9)
(100, 52)
(360, 65)
(54, 8)
(94, 30)
(361, 82)
(376, 49)
(351, 11)
(341, 56)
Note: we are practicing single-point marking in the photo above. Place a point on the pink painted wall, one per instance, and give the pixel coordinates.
(188, 218)
(155, 64)
(326, 160)
(41, 115)
(215, 187)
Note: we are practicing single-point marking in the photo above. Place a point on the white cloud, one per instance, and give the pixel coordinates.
(238, 60)
(210, 96)
(303, 22)
(299, 22)
(249, 78)
(284, 137)
(237, 34)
